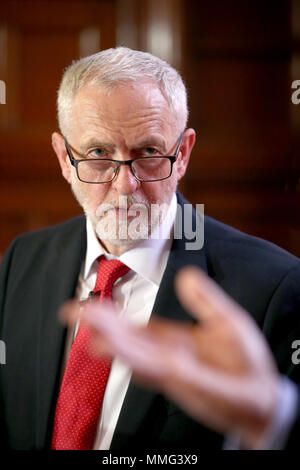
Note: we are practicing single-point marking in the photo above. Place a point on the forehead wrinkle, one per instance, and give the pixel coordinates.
(134, 118)
(96, 118)
(145, 128)
(126, 102)
(99, 121)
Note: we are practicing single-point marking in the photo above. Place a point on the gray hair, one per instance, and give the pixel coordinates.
(117, 66)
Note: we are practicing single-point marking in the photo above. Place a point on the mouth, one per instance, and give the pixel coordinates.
(122, 211)
(119, 212)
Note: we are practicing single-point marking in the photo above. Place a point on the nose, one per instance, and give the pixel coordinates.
(124, 182)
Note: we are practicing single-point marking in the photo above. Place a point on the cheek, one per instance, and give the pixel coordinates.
(152, 192)
(160, 191)
(96, 195)
(90, 194)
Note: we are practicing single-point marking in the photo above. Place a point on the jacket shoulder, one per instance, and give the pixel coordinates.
(225, 240)
(44, 242)
(30, 254)
(50, 234)
(66, 227)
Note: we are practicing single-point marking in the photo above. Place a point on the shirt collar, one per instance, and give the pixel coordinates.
(148, 258)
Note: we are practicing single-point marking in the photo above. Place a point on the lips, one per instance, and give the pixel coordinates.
(120, 212)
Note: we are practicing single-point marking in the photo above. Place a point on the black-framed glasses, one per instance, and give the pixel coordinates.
(104, 170)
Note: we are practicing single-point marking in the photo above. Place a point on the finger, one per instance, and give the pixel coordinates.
(118, 337)
(94, 316)
(202, 297)
(69, 313)
(96, 313)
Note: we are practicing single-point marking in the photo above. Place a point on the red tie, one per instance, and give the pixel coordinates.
(82, 390)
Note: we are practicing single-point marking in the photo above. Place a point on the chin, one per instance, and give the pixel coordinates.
(121, 233)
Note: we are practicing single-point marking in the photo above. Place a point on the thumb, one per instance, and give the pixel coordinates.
(201, 296)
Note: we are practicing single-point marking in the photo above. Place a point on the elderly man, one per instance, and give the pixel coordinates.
(123, 147)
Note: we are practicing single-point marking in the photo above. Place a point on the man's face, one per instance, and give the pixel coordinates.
(125, 123)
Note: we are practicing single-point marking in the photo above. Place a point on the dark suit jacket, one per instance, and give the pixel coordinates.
(40, 271)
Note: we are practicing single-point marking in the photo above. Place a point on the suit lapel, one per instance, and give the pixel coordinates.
(59, 283)
(139, 402)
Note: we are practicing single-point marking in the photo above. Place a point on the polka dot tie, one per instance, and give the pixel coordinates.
(82, 390)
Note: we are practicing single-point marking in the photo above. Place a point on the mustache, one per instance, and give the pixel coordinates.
(124, 202)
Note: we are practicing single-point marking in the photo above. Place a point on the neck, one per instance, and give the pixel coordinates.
(117, 250)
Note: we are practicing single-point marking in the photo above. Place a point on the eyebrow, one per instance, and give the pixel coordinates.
(152, 141)
(96, 143)
(149, 142)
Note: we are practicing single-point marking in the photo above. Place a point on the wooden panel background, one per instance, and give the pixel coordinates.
(237, 65)
(41, 38)
(238, 59)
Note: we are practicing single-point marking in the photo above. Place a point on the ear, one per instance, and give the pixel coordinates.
(186, 147)
(59, 147)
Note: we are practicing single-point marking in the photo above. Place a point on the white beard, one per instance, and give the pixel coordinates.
(118, 229)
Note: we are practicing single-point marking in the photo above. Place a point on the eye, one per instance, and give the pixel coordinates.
(97, 153)
(150, 151)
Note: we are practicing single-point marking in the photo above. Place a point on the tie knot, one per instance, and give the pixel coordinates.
(108, 273)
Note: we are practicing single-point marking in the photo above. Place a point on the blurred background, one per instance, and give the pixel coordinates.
(238, 59)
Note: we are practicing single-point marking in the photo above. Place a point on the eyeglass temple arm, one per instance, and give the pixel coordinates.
(179, 143)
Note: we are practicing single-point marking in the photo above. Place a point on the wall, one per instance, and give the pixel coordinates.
(238, 59)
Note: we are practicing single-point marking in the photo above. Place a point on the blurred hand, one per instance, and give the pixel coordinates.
(219, 370)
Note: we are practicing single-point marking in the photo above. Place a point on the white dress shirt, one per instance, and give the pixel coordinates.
(134, 295)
